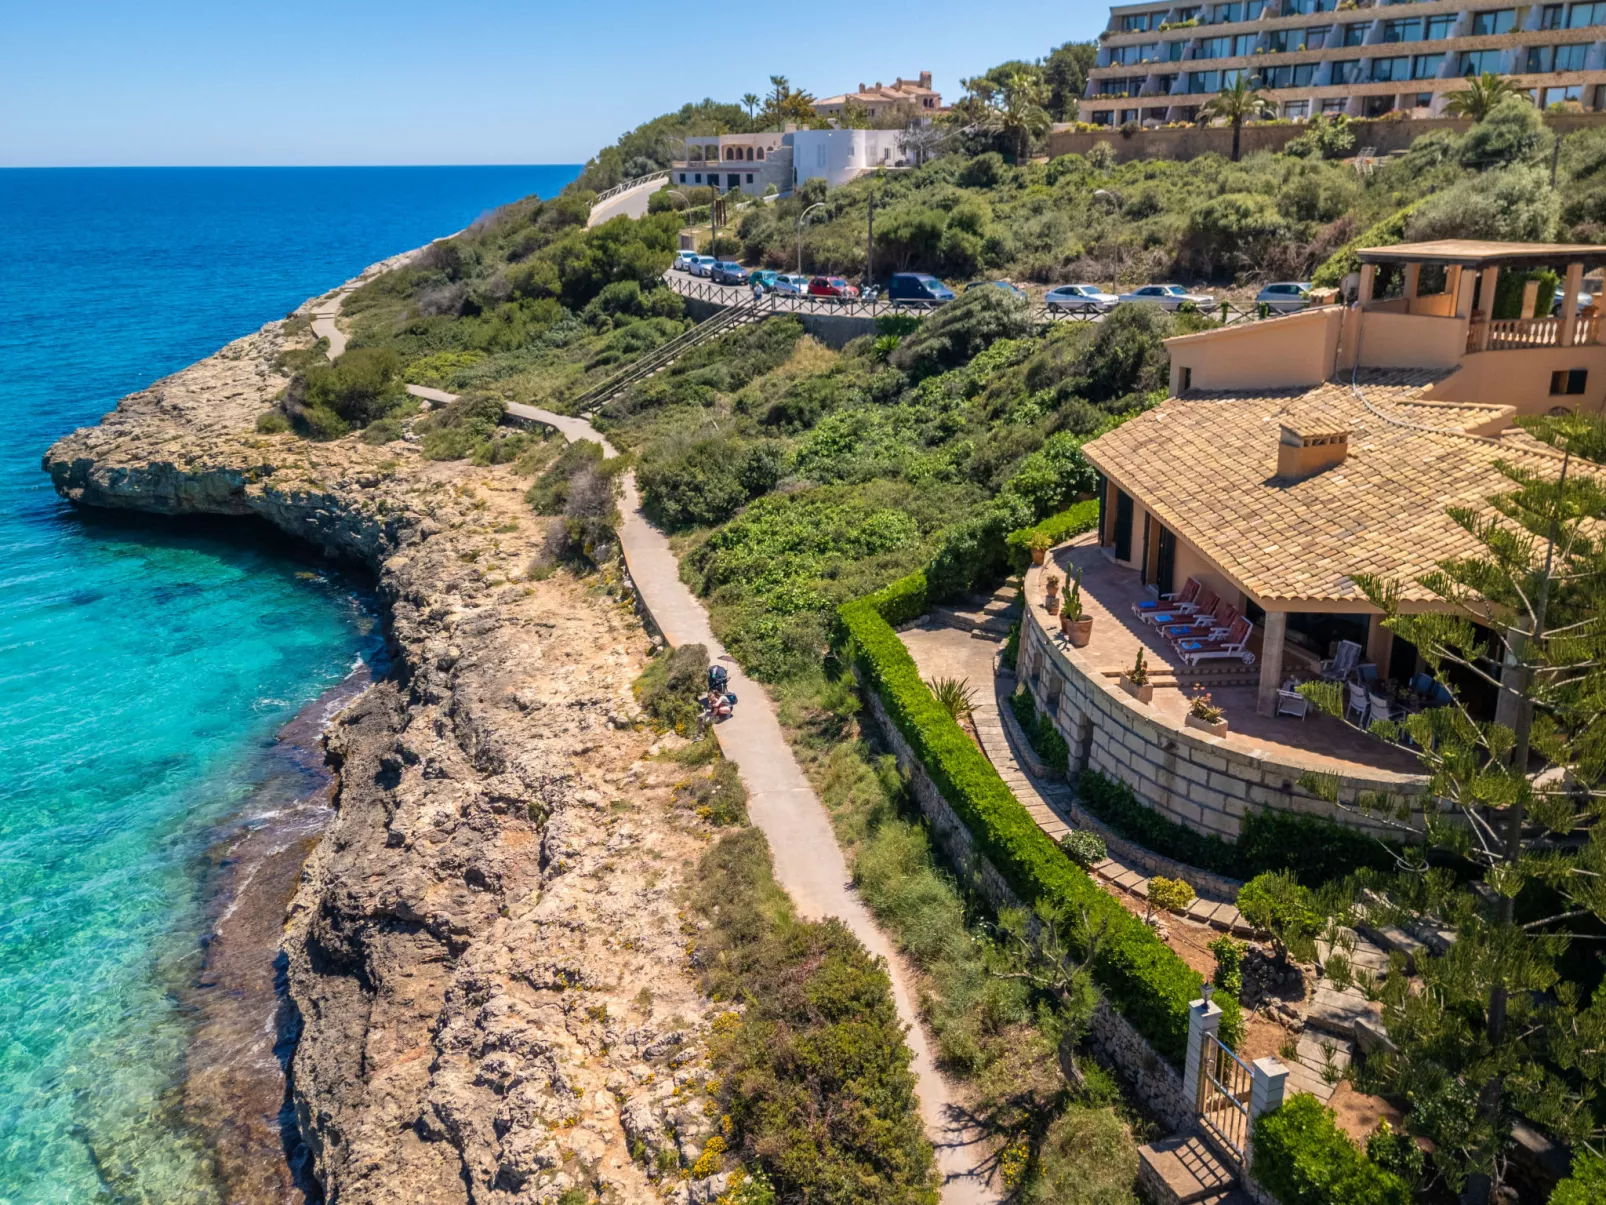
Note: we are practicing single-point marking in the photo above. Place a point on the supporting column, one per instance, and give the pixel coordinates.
(1271, 661)
(1530, 298)
(1204, 1017)
(1379, 644)
(1368, 283)
(1413, 276)
(1486, 295)
(1460, 285)
(1268, 1079)
(1569, 304)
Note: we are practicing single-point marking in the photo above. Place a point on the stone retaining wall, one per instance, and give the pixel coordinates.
(1116, 1044)
(1194, 779)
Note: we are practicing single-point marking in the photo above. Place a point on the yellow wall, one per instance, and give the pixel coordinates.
(1521, 378)
(1278, 353)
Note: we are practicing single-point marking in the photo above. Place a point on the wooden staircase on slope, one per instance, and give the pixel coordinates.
(660, 358)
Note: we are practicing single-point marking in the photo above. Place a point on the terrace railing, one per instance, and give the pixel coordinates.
(607, 193)
(1510, 334)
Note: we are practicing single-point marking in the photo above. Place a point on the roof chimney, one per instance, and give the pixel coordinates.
(878, 85)
(1302, 454)
(861, 87)
(925, 79)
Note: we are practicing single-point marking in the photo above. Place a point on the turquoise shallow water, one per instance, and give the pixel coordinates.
(145, 666)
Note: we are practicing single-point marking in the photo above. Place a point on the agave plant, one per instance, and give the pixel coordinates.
(955, 695)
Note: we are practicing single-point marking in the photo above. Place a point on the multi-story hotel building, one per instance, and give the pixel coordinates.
(1161, 62)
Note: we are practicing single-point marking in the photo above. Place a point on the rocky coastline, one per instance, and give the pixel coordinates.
(483, 952)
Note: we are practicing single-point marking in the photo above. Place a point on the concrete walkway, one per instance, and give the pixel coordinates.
(323, 322)
(808, 862)
(632, 203)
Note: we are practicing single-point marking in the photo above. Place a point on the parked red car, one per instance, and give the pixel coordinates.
(832, 286)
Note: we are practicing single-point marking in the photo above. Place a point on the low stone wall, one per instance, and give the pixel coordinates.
(1193, 141)
(1134, 857)
(1116, 1044)
(1204, 782)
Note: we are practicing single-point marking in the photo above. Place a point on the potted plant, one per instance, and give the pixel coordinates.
(1051, 586)
(1135, 681)
(1076, 624)
(1038, 543)
(1206, 716)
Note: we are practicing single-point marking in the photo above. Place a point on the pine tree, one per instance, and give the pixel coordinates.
(1511, 867)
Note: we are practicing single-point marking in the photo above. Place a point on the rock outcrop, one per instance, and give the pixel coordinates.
(485, 950)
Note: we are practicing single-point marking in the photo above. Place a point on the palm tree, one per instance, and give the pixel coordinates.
(1478, 99)
(751, 101)
(1239, 102)
(1022, 116)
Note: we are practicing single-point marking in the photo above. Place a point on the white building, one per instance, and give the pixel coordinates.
(751, 163)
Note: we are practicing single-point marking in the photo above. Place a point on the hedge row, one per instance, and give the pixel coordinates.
(1056, 529)
(1301, 1157)
(1139, 974)
(1040, 733)
(1316, 850)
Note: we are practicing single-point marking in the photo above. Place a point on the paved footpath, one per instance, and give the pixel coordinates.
(808, 861)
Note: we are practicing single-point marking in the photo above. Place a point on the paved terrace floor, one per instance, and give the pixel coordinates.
(1108, 592)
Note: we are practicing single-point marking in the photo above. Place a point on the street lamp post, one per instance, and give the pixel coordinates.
(800, 219)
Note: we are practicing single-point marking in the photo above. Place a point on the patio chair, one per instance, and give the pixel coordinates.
(1234, 645)
(1366, 674)
(1291, 702)
(1343, 662)
(1355, 694)
(1203, 603)
(1381, 707)
(1178, 600)
(1213, 626)
(1423, 684)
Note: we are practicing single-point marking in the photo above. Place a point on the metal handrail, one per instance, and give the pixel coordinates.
(659, 358)
(629, 184)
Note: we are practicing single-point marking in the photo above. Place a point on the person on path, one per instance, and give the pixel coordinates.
(758, 291)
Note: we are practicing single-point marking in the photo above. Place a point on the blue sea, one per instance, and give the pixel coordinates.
(145, 665)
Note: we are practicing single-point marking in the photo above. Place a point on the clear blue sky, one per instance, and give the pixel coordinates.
(200, 82)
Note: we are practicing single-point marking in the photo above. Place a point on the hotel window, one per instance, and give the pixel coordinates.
(1440, 28)
(1124, 56)
(1220, 14)
(1278, 41)
(1476, 62)
(1304, 8)
(699, 177)
(1151, 50)
(1568, 380)
(1550, 16)
(1388, 70)
(1316, 36)
(1253, 9)
(1294, 75)
(1403, 31)
(1499, 21)
(1164, 84)
(1424, 100)
(1558, 96)
(1355, 34)
(1175, 50)
(1102, 118)
(749, 177)
(1213, 48)
(1580, 15)
(1296, 110)
(1333, 104)
(1426, 66)
(1376, 106)
(1187, 14)
(1557, 58)
(683, 177)
(1128, 115)
(1204, 81)
(1139, 22)
(761, 152)
(1346, 71)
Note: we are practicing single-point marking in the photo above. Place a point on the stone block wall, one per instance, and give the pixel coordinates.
(1116, 1044)
(1191, 778)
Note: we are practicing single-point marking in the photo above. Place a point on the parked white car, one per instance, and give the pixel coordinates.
(790, 286)
(1080, 298)
(702, 265)
(1170, 297)
(1286, 296)
(683, 261)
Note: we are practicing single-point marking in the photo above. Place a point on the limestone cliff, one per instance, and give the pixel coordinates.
(485, 950)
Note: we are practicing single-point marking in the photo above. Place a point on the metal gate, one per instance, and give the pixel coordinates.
(1224, 1084)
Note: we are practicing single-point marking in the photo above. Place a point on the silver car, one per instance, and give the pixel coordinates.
(701, 265)
(1171, 297)
(790, 286)
(1080, 299)
(1285, 297)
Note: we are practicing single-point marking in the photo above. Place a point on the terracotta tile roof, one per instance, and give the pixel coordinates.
(1480, 253)
(1206, 465)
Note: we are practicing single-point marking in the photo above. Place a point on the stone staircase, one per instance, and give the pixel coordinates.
(1185, 1170)
(987, 617)
(660, 358)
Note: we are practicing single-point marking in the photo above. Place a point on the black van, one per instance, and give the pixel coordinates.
(917, 286)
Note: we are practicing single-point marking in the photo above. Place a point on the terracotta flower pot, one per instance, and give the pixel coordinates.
(1143, 694)
(1213, 727)
(1079, 631)
(1052, 602)
(1039, 555)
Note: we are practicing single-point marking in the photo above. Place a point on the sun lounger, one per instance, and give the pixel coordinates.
(1182, 600)
(1235, 645)
(1203, 627)
(1202, 605)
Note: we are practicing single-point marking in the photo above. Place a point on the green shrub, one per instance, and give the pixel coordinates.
(364, 384)
(959, 330)
(1172, 895)
(1040, 732)
(814, 1073)
(1142, 978)
(272, 422)
(1229, 975)
(1395, 1151)
(1586, 1185)
(717, 796)
(382, 431)
(1055, 530)
(455, 430)
(1274, 901)
(1301, 1157)
(1086, 849)
(672, 686)
(708, 480)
